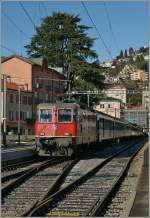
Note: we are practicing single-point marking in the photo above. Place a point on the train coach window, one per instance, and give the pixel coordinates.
(45, 115)
(64, 115)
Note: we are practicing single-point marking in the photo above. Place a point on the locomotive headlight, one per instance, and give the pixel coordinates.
(42, 133)
(67, 134)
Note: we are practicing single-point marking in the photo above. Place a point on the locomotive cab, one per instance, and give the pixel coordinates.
(56, 128)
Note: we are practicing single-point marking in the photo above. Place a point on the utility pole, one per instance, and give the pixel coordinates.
(4, 77)
(19, 107)
(69, 88)
(88, 100)
(69, 73)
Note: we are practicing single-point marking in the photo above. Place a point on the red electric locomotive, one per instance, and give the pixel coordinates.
(61, 127)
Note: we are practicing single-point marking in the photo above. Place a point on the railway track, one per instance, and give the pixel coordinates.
(89, 193)
(21, 195)
(11, 172)
(88, 162)
(20, 164)
(120, 202)
(18, 170)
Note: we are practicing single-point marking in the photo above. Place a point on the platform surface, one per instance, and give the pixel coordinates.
(17, 151)
(141, 204)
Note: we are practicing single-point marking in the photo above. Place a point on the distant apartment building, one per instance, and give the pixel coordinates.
(117, 91)
(12, 108)
(137, 115)
(110, 106)
(46, 83)
(139, 75)
(145, 99)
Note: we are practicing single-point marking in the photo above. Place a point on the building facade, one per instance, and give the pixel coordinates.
(145, 99)
(137, 115)
(14, 105)
(117, 91)
(31, 71)
(110, 106)
(46, 83)
(139, 75)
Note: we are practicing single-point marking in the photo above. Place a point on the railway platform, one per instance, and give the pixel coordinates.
(141, 203)
(17, 151)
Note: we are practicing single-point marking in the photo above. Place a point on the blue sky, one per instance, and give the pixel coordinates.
(129, 21)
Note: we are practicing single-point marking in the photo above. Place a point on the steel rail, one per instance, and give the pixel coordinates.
(13, 175)
(54, 187)
(47, 203)
(99, 205)
(31, 173)
(20, 164)
(21, 179)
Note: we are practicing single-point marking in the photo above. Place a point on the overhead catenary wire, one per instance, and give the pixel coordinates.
(27, 14)
(16, 26)
(9, 49)
(45, 9)
(110, 27)
(98, 32)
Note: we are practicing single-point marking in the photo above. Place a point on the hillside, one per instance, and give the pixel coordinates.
(125, 64)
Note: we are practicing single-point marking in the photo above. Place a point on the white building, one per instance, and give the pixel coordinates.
(117, 91)
(110, 106)
(145, 99)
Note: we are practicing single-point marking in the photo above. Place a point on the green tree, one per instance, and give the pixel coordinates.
(135, 99)
(131, 51)
(84, 87)
(125, 53)
(143, 49)
(121, 54)
(62, 39)
(140, 61)
(144, 66)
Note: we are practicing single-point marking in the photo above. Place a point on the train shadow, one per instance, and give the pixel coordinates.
(105, 149)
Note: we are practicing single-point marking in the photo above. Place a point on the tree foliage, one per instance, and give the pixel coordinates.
(135, 99)
(140, 61)
(62, 39)
(120, 55)
(131, 51)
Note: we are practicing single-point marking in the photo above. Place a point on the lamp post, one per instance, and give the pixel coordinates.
(4, 106)
(19, 109)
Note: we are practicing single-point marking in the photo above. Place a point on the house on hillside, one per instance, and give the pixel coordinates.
(140, 75)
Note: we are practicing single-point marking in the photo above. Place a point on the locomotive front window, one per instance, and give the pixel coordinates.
(45, 115)
(64, 115)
